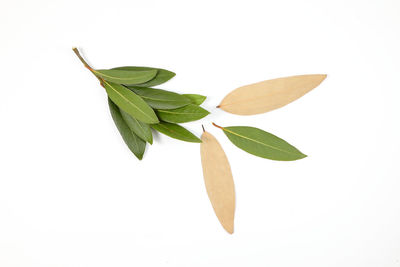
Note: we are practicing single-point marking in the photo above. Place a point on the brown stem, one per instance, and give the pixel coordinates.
(76, 51)
(217, 126)
(202, 126)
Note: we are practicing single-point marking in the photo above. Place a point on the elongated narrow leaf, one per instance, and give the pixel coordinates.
(269, 95)
(218, 180)
(134, 143)
(141, 129)
(195, 98)
(129, 102)
(175, 131)
(160, 99)
(187, 113)
(161, 77)
(261, 143)
(127, 77)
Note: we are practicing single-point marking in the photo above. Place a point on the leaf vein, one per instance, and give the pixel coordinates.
(256, 141)
(127, 100)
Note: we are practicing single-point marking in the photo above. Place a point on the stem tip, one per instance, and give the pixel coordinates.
(217, 126)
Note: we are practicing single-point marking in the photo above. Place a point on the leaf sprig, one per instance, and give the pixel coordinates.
(136, 107)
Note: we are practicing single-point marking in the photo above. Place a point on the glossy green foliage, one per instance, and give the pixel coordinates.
(141, 129)
(160, 99)
(195, 98)
(187, 113)
(134, 143)
(126, 77)
(162, 75)
(175, 131)
(131, 103)
(261, 143)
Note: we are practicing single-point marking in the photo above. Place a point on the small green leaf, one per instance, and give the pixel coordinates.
(175, 131)
(141, 129)
(161, 77)
(129, 102)
(160, 99)
(134, 143)
(125, 76)
(195, 98)
(262, 144)
(187, 113)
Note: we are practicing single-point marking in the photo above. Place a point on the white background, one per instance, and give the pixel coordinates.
(72, 194)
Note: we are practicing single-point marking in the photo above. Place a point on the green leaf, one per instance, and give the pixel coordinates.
(160, 99)
(129, 102)
(141, 129)
(262, 144)
(175, 131)
(135, 144)
(125, 76)
(195, 98)
(161, 77)
(187, 113)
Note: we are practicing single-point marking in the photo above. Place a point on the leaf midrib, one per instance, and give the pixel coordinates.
(129, 102)
(116, 78)
(160, 100)
(187, 113)
(258, 142)
(247, 100)
(140, 126)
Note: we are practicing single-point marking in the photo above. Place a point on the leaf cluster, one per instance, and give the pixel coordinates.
(137, 107)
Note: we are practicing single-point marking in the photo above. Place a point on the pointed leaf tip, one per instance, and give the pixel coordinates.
(161, 77)
(175, 131)
(187, 113)
(195, 98)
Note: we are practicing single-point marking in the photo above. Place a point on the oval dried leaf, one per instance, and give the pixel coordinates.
(161, 77)
(269, 95)
(261, 143)
(175, 131)
(126, 77)
(134, 143)
(195, 98)
(218, 180)
(187, 113)
(129, 102)
(160, 99)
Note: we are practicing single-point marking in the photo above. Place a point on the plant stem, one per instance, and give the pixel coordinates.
(202, 126)
(76, 51)
(217, 126)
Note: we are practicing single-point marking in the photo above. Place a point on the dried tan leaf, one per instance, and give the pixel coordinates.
(269, 95)
(218, 180)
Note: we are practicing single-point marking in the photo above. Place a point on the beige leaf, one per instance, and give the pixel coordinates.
(218, 180)
(269, 95)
